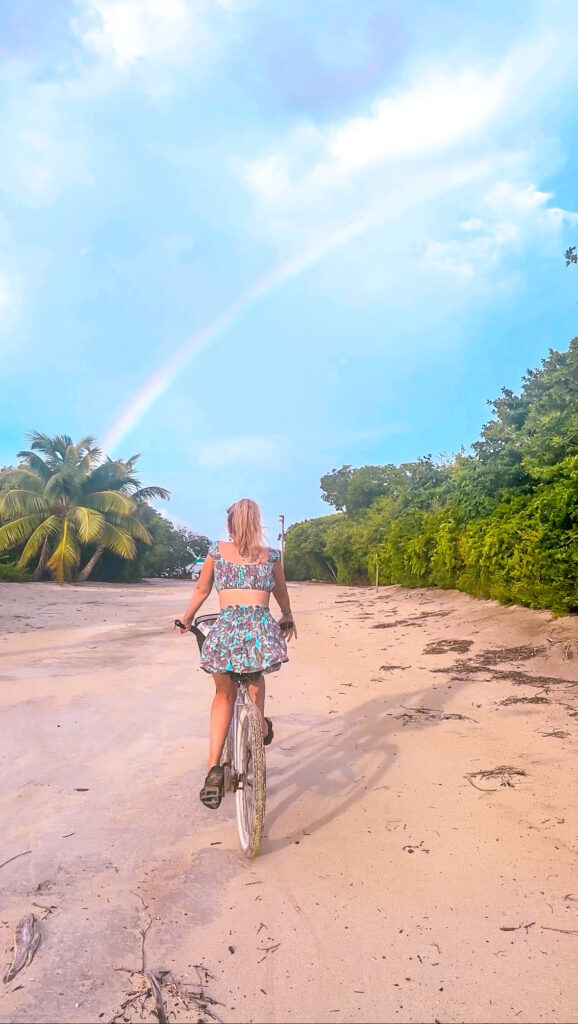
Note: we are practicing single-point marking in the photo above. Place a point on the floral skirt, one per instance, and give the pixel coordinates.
(244, 639)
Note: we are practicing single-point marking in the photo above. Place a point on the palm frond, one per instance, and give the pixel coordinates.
(88, 523)
(117, 541)
(53, 447)
(35, 463)
(18, 502)
(88, 444)
(110, 476)
(18, 531)
(110, 501)
(63, 483)
(51, 527)
(135, 528)
(21, 477)
(151, 493)
(84, 466)
(72, 456)
(66, 557)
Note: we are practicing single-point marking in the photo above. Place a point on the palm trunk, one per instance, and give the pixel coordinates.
(39, 570)
(331, 569)
(85, 573)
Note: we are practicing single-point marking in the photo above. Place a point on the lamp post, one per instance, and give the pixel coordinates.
(282, 539)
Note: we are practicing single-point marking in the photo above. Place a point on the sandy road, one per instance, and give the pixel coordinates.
(389, 887)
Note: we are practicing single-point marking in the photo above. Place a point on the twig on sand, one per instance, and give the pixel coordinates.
(155, 983)
(266, 950)
(123, 1006)
(144, 932)
(138, 895)
(15, 857)
(517, 927)
(563, 931)
(422, 714)
(47, 909)
(503, 772)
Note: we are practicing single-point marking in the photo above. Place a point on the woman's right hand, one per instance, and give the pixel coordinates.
(287, 626)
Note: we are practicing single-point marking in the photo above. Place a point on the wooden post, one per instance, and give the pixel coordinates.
(376, 572)
(282, 539)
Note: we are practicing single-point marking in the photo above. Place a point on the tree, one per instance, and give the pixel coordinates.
(118, 475)
(306, 555)
(173, 550)
(54, 503)
(351, 490)
(501, 523)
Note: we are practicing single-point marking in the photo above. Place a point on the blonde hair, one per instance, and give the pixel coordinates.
(246, 528)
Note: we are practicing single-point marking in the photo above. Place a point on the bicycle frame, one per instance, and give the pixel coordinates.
(241, 700)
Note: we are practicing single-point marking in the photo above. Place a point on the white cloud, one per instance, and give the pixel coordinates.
(127, 31)
(269, 177)
(472, 224)
(438, 112)
(450, 257)
(237, 6)
(253, 451)
(7, 299)
(514, 214)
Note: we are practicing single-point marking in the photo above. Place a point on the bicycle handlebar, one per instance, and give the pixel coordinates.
(180, 625)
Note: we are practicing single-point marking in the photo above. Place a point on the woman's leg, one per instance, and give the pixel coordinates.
(221, 715)
(257, 695)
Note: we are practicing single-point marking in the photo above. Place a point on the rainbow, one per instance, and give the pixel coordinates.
(161, 381)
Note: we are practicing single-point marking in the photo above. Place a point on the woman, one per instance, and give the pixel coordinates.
(245, 638)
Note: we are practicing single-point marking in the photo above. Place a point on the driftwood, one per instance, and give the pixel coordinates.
(27, 941)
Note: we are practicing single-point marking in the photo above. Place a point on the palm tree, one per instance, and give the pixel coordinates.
(118, 475)
(55, 502)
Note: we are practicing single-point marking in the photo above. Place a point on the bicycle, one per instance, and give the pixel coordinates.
(243, 756)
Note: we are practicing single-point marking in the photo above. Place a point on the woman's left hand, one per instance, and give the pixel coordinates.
(287, 626)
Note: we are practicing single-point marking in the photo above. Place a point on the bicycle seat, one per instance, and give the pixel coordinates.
(201, 627)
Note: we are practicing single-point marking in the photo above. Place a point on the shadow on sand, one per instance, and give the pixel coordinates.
(331, 759)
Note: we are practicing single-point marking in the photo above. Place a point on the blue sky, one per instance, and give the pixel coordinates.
(257, 241)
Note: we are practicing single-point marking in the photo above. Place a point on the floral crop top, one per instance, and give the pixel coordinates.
(230, 576)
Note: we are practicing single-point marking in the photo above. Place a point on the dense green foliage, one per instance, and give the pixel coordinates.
(10, 572)
(171, 553)
(501, 523)
(68, 512)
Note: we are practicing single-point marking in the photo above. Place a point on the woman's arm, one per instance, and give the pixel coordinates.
(282, 598)
(201, 592)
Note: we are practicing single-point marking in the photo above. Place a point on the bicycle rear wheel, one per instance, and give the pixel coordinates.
(250, 761)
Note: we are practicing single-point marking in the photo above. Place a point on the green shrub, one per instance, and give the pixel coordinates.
(10, 572)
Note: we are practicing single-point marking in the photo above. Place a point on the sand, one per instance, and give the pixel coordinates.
(396, 881)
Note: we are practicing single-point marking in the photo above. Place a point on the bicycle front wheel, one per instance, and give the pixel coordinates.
(251, 781)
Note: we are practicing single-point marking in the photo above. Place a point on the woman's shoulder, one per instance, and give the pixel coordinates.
(274, 555)
(213, 551)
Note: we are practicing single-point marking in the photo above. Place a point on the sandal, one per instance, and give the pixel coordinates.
(269, 737)
(214, 788)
